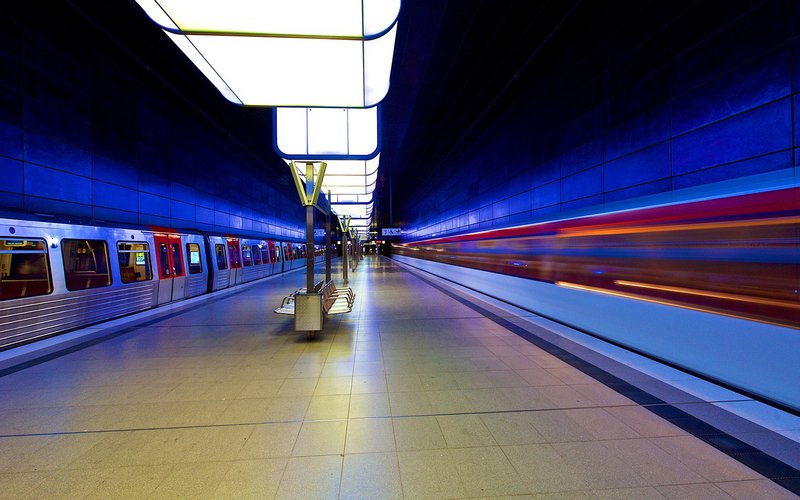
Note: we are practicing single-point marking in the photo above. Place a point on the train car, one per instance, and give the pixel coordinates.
(180, 258)
(736, 255)
(256, 259)
(57, 276)
(294, 255)
(319, 254)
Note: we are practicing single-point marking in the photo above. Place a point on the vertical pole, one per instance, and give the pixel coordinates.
(309, 229)
(345, 262)
(355, 252)
(328, 242)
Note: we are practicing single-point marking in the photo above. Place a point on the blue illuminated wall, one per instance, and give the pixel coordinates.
(87, 131)
(677, 96)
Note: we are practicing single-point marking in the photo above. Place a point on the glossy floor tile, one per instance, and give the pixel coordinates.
(414, 394)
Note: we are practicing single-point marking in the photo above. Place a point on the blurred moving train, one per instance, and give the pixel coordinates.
(736, 256)
(56, 277)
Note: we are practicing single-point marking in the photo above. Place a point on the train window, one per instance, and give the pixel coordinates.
(256, 255)
(277, 251)
(247, 259)
(265, 255)
(134, 261)
(193, 257)
(85, 264)
(24, 269)
(219, 250)
(176, 258)
(163, 259)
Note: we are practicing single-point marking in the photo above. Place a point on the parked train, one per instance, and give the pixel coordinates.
(56, 277)
(737, 255)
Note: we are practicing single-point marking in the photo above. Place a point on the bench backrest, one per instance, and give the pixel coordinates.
(327, 295)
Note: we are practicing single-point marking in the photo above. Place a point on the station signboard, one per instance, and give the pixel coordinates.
(391, 231)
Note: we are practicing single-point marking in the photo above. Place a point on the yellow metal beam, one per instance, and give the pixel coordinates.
(305, 200)
(344, 224)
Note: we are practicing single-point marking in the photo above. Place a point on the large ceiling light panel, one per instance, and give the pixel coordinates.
(346, 177)
(351, 198)
(355, 210)
(327, 133)
(311, 53)
(360, 223)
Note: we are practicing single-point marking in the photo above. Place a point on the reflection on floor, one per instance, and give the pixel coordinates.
(412, 395)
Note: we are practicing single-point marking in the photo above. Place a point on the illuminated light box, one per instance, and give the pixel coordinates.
(355, 210)
(360, 223)
(351, 198)
(312, 53)
(346, 177)
(330, 18)
(326, 133)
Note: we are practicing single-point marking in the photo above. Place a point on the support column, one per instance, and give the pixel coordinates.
(344, 225)
(328, 242)
(308, 314)
(345, 258)
(309, 229)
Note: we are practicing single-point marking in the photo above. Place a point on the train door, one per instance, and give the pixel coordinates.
(271, 255)
(171, 272)
(222, 275)
(287, 256)
(235, 261)
(279, 257)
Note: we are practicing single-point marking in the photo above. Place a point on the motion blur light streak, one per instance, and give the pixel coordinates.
(708, 294)
(736, 256)
(629, 295)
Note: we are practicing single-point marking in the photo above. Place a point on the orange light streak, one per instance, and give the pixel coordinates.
(575, 286)
(582, 231)
(716, 295)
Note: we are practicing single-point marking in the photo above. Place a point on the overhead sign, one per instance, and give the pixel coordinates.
(319, 232)
(391, 231)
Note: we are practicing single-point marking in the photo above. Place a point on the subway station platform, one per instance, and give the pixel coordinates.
(424, 390)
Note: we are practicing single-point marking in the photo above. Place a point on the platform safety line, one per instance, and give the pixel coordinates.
(315, 420)
(768, 466)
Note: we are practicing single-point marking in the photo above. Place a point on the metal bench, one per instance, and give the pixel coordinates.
(310, 310)
(337, 301)
(287, 304)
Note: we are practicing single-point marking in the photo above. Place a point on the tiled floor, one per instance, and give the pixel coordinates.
(412, 395)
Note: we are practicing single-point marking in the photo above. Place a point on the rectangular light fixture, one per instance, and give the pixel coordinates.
(326, 133)
(347, 177)
(356, 210)
(310, 53)
(360, 223)
(351, 198)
